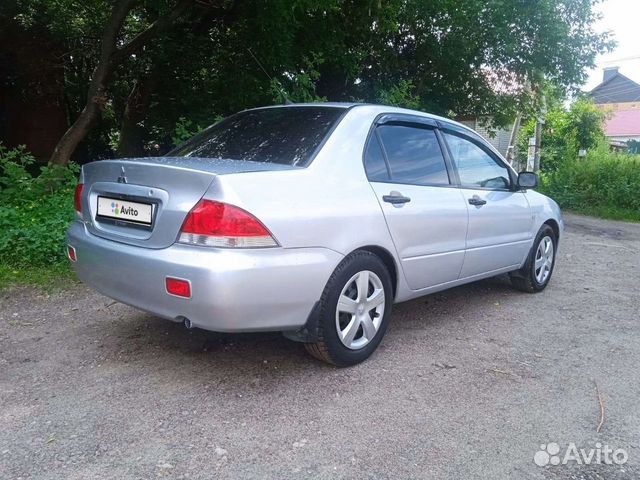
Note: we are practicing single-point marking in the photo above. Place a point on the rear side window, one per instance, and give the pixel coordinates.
(374, 162)
(285, 135)
(413, 155)
(476, 167)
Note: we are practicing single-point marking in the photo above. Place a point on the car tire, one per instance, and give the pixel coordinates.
(346, 338)
(534, 276)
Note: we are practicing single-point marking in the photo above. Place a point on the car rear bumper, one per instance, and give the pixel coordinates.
(232, 290)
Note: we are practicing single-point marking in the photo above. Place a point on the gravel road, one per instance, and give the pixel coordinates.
(468, 383)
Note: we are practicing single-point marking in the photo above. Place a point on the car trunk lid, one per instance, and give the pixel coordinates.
(168, 187)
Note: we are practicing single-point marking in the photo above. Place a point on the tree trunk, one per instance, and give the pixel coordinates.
(131, 143)
(96, 96)
(110, 57)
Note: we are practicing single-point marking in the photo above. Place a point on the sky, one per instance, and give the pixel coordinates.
(622, 18)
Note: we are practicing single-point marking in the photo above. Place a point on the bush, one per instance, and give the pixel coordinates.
(35, 211)
(604, 183)
(565, 132)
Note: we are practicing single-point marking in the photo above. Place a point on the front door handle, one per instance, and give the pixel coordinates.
(477, 201)
(395, 198)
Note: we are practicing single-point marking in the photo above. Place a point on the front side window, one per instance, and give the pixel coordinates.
(285, 135)
(476, 167)
(413, 155)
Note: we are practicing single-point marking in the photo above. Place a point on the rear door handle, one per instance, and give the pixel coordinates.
(477, 201)
(395, 198)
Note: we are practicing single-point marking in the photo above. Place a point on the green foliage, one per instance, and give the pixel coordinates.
(604, 183)
(469, 58)
(565, 132)
(35, 211)
(401, 95)
(299, 87)
(185, 129)
(585, 125)
(555, 144)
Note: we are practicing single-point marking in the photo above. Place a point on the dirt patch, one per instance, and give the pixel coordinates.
(468, 383)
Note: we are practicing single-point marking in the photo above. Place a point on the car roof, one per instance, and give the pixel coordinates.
(310, 104)
(377, 109)
(373, 106)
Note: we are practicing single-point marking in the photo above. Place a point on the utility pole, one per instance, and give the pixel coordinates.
(512, 139)
(538, 134)
(538, 141)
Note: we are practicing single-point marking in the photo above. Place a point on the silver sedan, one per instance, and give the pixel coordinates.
(312, 220)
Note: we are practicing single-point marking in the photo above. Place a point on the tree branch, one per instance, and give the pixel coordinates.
(110, 34)
(143, 37)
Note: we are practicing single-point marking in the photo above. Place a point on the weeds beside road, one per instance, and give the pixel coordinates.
(603, 184)
(467, 384)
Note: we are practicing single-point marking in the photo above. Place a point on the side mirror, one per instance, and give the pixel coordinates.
(528, 180)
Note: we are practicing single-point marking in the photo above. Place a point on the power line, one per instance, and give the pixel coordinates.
(623, 59)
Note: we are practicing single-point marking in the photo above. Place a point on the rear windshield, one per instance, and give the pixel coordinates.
(286, 135)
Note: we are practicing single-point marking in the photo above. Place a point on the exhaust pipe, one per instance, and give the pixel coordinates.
(187, 324)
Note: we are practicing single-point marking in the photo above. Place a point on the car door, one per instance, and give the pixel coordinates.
(425, 213)
(500, 221)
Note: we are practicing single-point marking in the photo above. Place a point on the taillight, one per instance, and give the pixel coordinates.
(216, 224)
(78, 198)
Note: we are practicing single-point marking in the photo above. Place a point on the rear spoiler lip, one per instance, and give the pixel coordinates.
(216, 166)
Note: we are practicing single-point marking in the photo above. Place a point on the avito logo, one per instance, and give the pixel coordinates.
(551, 454)
(118, 209)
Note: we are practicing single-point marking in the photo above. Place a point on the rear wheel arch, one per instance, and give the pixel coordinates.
(309, 331)
(332, 341)
(388, 260)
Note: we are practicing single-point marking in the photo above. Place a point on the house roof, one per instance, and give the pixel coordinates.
(623, 123)
(616, 89)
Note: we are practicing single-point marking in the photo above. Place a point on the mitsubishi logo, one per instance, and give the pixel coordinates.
(122, 178)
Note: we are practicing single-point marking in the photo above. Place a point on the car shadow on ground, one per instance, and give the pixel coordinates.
(143, 338)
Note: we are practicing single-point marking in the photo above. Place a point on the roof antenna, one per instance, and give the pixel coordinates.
(282, 91)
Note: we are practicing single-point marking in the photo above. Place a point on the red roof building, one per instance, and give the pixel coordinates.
(623, 124)
(621, 96)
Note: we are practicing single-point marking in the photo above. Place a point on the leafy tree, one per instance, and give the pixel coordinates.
(133, 68)
(565, 132)
(585, 125)
(401, 95)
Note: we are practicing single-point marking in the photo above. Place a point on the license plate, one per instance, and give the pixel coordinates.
(117, 209)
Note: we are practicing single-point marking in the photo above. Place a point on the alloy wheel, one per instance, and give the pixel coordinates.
(544, 260)
(360, 309)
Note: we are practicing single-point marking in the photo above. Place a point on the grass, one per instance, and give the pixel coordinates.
(51, 279)
(607, 212)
